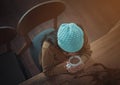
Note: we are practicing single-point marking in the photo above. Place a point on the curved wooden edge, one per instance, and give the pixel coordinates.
(25, 46)
(36, 80)
(22, 24)
(106, 49)
(115, 27)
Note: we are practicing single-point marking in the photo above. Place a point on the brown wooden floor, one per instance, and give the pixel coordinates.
(101, 19)
(98, 17)
(106, 50)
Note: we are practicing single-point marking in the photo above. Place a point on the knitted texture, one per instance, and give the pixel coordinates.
(70, 37)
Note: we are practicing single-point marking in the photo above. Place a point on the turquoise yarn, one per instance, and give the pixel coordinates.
(70, 37)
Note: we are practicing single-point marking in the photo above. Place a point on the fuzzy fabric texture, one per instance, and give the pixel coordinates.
(70, 37)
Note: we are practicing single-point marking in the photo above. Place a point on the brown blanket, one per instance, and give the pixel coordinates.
(97, 74)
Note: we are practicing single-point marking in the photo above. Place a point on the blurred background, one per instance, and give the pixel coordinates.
(100, 19)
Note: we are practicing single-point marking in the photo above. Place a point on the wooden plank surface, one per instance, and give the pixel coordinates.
(96, 16)
(100, 19)
(106, 50)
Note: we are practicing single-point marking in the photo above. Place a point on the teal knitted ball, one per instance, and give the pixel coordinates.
(70, 37)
